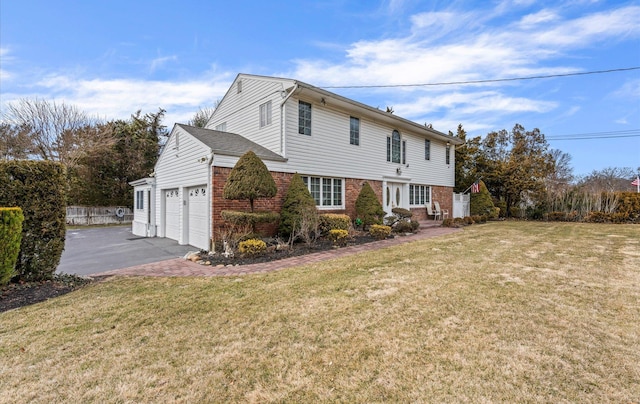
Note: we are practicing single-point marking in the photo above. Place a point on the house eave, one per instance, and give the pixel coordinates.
(318, 94)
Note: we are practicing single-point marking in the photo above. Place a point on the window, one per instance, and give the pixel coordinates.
(419, 194)
(265, 114)
(354, 131)
(304, 118)
(139, 200)
(222, 127)
(327, 192)
(448, 154)
(427, 149)
(393, 147)
(404, 152)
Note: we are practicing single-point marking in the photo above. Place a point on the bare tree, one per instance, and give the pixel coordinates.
(15, 143)
(610, 179)
(54, 129)
(201, 118)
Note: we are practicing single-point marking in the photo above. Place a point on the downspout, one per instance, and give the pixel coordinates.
(212, 244)
(283, 124)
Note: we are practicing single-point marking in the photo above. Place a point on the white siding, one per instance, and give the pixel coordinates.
(180, 167)
(241, 111)
(327, 151)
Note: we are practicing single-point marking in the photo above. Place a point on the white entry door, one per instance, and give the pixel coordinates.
(172, 214)
(393, 197)
(198, 229)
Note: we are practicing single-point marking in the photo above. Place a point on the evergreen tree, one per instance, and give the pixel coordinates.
(368, 208)
(249, 180)
(481, 203)
(298, 203)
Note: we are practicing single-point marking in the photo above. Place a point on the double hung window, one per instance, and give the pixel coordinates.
(326, 192)
(304, 118)
(265, 114)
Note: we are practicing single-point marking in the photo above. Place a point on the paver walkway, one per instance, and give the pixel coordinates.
(183, 267)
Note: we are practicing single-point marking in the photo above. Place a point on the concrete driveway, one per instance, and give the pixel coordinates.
(93, 250)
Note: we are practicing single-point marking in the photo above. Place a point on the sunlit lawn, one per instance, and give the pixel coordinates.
(502, 312)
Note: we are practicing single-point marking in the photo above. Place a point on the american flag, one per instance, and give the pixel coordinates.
(636, 182)
(475, 187)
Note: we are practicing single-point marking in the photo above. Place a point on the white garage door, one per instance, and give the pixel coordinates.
(198, 217)
(172, 214)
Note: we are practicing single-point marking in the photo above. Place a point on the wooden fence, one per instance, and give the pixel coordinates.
(91, 215)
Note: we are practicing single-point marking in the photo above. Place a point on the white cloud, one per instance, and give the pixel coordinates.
(474, 48)
(160, 61)
(119, 98)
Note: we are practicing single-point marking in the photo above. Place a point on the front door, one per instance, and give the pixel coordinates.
(392, 197)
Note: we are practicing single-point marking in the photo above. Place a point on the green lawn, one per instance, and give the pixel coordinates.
(501, 312)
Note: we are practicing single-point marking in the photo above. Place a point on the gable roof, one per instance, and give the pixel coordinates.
(229, 144)
(319, 94)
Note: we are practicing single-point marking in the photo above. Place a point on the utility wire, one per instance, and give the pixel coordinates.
(623, 69)
(597, 135)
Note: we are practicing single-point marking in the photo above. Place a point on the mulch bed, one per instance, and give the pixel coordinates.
(21, 294)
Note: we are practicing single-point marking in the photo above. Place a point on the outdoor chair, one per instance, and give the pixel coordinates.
(431, 212)
(443, 213)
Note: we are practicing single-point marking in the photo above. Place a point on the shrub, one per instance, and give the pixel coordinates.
(403, 226)
(448, 222)
(415, 225)
(10, 238)
(249, 218)
(298, 202)
(39, 189)
(368, 208)
(481, 202)
(468, 220)
(338, 236)
(334, 221)
(379, 231)
(252, 247)
(249, 180)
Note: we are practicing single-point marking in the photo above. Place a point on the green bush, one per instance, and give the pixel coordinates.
(368, 208)
(249, 218)
(298, 205)
(334, 221)
(379, 231)
(482, 204)
(249, 179)
(39, 189)
(338, 236)
(252, 247)
(10, 237)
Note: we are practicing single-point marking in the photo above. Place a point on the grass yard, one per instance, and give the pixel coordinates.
(502, 312)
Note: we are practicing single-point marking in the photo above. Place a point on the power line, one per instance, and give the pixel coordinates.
(597, 135)
(622, 69)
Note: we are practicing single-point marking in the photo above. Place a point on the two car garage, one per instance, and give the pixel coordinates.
(186, 215)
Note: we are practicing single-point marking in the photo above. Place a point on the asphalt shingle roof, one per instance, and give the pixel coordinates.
(229, 144)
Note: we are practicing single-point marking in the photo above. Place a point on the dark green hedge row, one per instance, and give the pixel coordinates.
(10, 237)
(39, 188)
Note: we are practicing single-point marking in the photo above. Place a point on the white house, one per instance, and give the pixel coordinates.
(335, 143)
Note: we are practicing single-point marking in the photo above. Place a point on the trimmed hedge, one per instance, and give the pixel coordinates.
(334, 221)
(10, 237)
(39, 189)
(252, 247)
(379, 231)
(249, 218)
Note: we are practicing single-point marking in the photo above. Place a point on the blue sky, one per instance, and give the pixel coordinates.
(112, 58)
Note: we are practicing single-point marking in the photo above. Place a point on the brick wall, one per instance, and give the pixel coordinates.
(444, 195)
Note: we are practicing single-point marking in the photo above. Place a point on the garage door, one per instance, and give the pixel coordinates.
(198, 217)
(172, 214)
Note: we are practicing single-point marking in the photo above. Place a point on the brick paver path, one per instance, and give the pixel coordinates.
(183, 267)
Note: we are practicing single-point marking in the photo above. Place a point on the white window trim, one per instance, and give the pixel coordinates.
(140, 200)
(320, 206)
(265, 114)
(427, 195)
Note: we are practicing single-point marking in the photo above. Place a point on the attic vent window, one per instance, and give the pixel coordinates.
(239, 86)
